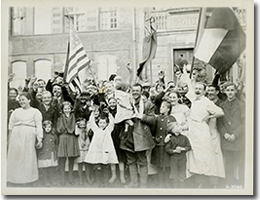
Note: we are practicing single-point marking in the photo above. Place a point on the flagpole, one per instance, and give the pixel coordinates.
(68, 52)
(68, 15)
(151, 72)
(66, 63)
(92, 74)
(134, 49)
(196, 40)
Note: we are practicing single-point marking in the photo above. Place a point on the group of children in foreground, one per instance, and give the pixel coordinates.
(70, 141)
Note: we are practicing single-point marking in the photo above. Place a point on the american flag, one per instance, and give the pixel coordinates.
(77, 60)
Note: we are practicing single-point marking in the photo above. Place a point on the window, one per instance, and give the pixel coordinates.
(77, 15)
(113, 23)
(43, 69)
(160, 20)
(108, 19)
(19, 68)
(57, 20)
(18, 20)
(42, 20)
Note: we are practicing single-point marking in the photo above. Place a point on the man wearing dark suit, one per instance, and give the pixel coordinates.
(49, 112)
(232, 129)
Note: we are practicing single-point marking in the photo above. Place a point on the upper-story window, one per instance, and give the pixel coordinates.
(77, 15)
(18, 15)
(160, 20)
(42, 20)
(56, 20)
(108, 19)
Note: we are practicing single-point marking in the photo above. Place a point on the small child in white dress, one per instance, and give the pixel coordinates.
(101, 150)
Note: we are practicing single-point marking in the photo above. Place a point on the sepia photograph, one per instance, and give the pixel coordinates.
(120, 98)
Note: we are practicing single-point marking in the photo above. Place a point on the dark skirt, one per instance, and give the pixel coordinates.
(160, 157)
(68, 146)
(116, 137)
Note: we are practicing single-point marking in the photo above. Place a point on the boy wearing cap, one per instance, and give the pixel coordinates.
(58, 89)
(82, 106)
(177, 148)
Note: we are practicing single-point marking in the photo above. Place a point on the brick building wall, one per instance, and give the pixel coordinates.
(110, 50)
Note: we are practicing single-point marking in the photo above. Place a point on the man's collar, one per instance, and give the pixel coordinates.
(199, 98)
(231, 100)
(46, 106)
(215, 100)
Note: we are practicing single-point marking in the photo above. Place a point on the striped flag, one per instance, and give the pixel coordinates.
(149, 48)
(220, 39)
(76, 60)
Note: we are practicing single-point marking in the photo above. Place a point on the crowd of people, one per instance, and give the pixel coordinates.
(178, 134)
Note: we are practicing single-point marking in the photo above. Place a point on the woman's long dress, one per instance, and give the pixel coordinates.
(25, 126)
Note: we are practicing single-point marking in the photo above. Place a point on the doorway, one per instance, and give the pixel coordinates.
(184, 54)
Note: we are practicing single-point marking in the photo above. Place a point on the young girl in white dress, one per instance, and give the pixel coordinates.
(101, 151)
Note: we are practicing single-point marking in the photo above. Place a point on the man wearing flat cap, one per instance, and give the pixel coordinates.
(58, 89)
